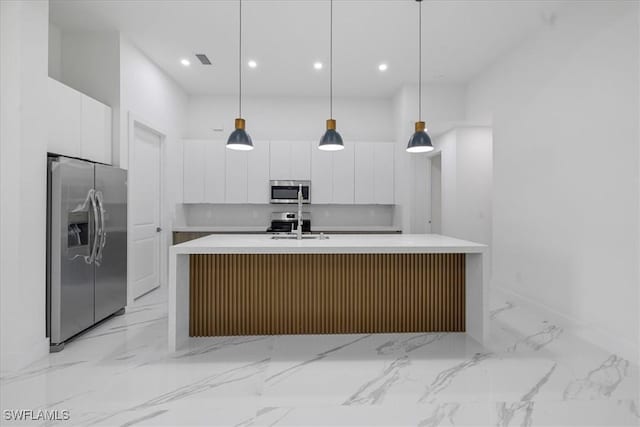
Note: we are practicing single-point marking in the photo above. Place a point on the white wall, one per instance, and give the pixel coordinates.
(467, 170)
(291, 118)
(90, 63)
(564, 111)
(151, 96)
(23, 166)
(442, 107)
(55, 52)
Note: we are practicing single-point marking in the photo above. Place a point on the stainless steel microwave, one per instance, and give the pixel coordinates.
(287, 191)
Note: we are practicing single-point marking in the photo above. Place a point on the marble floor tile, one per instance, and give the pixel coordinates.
(531, 372)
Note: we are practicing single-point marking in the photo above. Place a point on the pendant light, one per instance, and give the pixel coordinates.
(331, 140)
(239, 138)
(420, 142)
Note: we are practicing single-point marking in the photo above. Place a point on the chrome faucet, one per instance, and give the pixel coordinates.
(299, 230)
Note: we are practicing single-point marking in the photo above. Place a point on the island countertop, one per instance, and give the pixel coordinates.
(335, 244)
(450, 287)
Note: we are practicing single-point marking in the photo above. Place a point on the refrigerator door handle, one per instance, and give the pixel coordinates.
(102, 232)
(96, 226)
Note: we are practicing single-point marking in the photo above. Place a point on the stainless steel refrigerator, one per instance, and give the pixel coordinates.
(86, 246)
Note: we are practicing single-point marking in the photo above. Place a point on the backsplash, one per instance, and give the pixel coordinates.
(246, 215)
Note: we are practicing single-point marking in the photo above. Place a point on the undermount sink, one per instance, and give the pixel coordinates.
(294, 237)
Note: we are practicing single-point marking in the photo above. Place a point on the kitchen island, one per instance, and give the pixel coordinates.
(254, 285)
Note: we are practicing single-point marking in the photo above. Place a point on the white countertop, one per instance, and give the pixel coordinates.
(339, 243)
(261, 229)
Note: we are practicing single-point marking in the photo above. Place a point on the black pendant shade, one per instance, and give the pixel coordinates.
(239, 138)
(331, 140)
(420, 142)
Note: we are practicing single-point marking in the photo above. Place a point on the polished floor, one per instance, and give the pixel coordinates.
(531, 373)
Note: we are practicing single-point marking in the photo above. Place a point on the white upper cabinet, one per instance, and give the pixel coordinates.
(214, 174)
(215, 171)
(321, 177)
(280, 160)
(383, 168)
(194, 156)
(301, 160)
(332, 176)
(374, 172)
(258, 173)
(343, 176)
(96, 131)
(290, 160)
(79, 126)
(236, 177)
(65, 109)
(364, 172)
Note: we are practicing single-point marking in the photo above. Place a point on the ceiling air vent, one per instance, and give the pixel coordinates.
(203, 59)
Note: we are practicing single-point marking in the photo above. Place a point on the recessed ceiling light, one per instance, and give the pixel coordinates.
(383, 67)
(317, 65)
(185, 62)
(252, 64)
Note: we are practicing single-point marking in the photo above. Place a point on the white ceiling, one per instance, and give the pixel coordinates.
(285, 37)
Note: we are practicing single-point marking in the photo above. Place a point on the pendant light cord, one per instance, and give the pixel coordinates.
(331, 61)
(420, 61)
(240, 63)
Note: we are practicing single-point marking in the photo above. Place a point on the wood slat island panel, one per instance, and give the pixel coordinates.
(258, 294)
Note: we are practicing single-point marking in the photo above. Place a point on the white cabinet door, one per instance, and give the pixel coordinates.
(364, 173)
(258, 173)
(321, 177)
(96, 130)
(64, 119)
(236, 177)
(280, 160)
(343, 176)
(290, 160)
(214, 171)
(383, 167)
(300, 160)
(194, 153)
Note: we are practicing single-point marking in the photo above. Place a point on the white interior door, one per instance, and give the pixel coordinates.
(144, 208)
(436, 194)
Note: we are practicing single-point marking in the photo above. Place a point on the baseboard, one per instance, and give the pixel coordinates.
(15, 360)
(591, 333)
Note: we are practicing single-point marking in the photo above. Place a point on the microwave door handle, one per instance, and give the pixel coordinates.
(102, 233)
(96, 225)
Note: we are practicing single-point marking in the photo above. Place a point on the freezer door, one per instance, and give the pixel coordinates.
(111, 258)
(72, 225)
